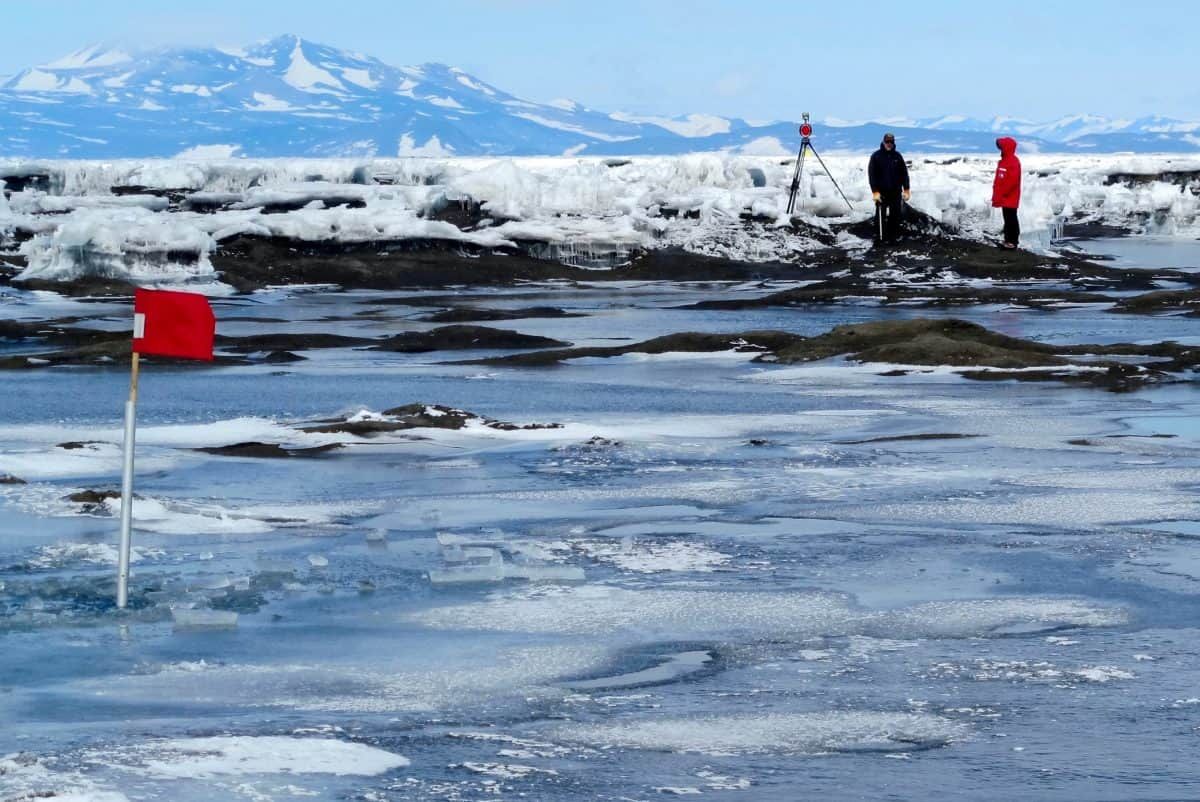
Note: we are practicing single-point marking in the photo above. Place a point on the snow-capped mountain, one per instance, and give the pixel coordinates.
(1071, 129)
(292, 97)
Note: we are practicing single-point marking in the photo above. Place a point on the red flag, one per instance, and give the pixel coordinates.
(178, 324)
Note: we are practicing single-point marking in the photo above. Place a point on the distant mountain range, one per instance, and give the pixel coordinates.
(292, 97)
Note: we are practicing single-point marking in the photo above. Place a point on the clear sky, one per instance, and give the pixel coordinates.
(758, 59)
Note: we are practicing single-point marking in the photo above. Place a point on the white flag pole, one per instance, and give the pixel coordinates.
(127, 487)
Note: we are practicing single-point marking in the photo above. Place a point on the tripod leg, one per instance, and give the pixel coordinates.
(831, 178)
(796, 179)
(804, 148)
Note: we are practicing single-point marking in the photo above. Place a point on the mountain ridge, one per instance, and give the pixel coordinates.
(288, 96)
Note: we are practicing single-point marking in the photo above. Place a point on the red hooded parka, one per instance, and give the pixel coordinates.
(1006, 189)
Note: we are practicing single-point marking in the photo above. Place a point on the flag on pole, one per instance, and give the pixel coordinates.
(175, 324)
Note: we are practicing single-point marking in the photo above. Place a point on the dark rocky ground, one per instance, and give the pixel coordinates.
(932, 267)
(987, 355)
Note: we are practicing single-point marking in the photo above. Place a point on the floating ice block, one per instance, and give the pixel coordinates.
(204, 619)
(544, 573)
(467, 574)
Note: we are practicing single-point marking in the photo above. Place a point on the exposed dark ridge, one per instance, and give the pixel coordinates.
(837, 290)
(693, 342)
(458, 338)
(899, 438)
(286, 341)
(256, 450)
(413, 416)
(471, 314)
(249, 263)
(922, 342)
(926, 342)
(1176, 301)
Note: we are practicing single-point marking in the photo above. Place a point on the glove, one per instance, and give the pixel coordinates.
(875, 196)
(907, 195)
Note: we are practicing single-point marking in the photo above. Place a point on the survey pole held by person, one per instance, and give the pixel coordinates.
(888, 175)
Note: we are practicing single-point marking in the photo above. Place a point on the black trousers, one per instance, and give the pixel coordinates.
(889, 214)
(1012, 228)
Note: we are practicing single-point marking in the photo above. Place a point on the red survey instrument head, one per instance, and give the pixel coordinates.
(806, 130)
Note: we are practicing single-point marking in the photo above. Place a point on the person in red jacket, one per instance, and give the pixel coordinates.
(1006, 189)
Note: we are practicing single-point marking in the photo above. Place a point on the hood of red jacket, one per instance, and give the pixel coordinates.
(1007, 145)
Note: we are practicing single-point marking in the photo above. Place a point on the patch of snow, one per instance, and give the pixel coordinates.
(39, 81)
(209, 152)
(266, 102)
(359, 78)
(118, 81)
(765, 146)
(466, 81)
(444, 102)
(693, 125)
(433, 147)
(571, 127)
(306, 76)
(94, 56)
(192, 89)
(185, 758)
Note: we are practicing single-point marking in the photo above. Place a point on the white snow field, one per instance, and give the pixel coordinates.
(579, 209)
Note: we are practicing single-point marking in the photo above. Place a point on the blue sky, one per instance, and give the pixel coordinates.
(758, 60)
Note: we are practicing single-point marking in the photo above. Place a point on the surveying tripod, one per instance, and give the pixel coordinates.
(806, 147)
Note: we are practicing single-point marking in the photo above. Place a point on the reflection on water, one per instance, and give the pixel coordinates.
(1151, 252)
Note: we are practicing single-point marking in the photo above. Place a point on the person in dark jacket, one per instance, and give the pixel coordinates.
(1006, 189)
(888, 175)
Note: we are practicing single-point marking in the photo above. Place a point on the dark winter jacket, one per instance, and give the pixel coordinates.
(887, 171)
(1006, 189)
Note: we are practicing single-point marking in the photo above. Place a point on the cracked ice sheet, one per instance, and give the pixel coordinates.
(90, 459)
(196, 435)
(170, 516)
(768, 527)
(675, 614)
(520, 507)
(773, 733)
(1131, 477)
(651, 556)
(1078, 510)
(440, 679)
(102, 451)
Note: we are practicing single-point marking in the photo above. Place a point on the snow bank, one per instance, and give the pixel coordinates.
(585, 211)
(133, 244)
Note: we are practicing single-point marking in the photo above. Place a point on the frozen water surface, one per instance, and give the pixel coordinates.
(744, 585)
(1179, 253)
